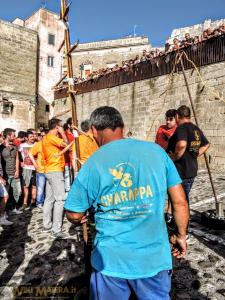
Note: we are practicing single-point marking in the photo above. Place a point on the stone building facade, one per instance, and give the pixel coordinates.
(30, 65)
(18, 84)
(50, 32)
(89, 57)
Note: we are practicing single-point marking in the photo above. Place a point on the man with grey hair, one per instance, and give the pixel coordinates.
(126, 181)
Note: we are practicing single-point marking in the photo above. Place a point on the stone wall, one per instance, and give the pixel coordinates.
(143, 107)
(18, 80)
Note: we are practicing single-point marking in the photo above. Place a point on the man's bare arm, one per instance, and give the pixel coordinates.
(179, 150)
(181, 216)
(74, 217)
(180, 208)
(33, 160)
(64, 137)
(203, 149)
(16, 175)
(65, 149)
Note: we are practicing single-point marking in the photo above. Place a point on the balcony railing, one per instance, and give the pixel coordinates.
(205, 53)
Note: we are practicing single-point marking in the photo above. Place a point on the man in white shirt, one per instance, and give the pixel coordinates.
(28, 173)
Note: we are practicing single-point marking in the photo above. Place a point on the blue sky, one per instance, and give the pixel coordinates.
(93, 20)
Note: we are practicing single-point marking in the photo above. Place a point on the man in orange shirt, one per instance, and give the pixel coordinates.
(52, 145)
(36, 152)
(165, 132)
(87, 144)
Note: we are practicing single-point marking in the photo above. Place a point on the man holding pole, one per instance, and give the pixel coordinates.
(126, 181)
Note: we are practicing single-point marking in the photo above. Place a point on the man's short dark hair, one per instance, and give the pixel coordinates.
(85, 125)
(29, 133)
(53, 123)
(8, 131)
(21, 134)
(69, 121)
(106, 117)
(184, 112)
(171, 113)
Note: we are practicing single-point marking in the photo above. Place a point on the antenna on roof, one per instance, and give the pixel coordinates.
(43, 4)
(135, 26)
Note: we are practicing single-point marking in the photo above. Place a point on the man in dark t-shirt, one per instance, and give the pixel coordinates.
(10, 164)
(185, 146)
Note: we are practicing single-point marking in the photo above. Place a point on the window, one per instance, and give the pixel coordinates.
(50, 61)
(51, 39)
(6, 106)
(47, 108)
(86, 69)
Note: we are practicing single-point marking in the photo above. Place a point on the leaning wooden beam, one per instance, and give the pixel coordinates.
(73, 48)
(62, 113)
(60, 81)
(62, 44)
(65, 13)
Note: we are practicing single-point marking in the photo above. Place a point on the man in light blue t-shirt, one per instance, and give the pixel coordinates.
(126, 181)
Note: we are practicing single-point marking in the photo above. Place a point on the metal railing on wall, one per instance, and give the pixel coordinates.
(205, 53)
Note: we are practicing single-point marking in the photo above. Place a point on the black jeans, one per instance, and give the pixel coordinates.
(187, 185)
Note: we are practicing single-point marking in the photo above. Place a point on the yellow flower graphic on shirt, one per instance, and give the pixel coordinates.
(121, 175)
(197, 136)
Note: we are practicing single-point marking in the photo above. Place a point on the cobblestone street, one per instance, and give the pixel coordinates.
(31, 258)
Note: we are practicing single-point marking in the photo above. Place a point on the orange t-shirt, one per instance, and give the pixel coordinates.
(51, 146)
(163, 135)
(36, 151)
(87, 146)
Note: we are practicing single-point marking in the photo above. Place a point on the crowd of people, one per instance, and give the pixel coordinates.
(35, 170)
(123, 181)
(155, 53)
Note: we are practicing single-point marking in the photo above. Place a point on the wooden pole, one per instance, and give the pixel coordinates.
(196, 121)
(64, 16)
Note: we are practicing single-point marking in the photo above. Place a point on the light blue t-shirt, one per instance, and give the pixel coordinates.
(126, 182)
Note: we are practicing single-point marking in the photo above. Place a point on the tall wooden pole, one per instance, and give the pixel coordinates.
(71, 92)
(196, 121)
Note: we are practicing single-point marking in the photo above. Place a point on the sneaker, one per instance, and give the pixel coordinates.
(5, 222)
(25, 207)
(58, 235)
(16, 211)
(6, 215)
(32, 205)
(46, 229)
(40, 206)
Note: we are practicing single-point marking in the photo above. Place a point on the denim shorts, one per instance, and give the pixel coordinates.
(3, 191)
